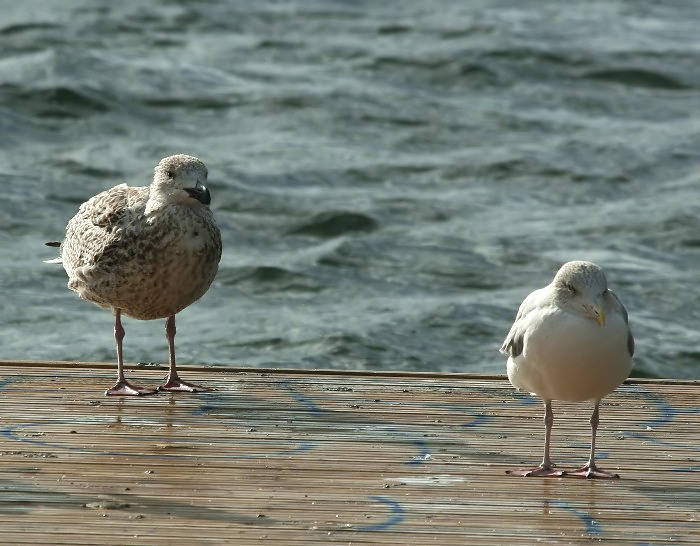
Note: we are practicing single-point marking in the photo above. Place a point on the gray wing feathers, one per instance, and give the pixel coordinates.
(515, 340)
(617, 303)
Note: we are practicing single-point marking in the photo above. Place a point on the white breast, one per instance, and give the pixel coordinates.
(570, 357)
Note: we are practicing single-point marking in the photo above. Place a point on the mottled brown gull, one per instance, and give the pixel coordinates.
(570, 341)
(147, 252)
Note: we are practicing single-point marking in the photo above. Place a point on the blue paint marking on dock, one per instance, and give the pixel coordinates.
(524, 398)
(477, 421)
(6, 382)
(204, 409)
(686, 469)
(592, 526)
(300, 446)
(396, 515)
(423, 452)
(666, 414)
(420, 445)
(477, 417)
(300, 397)
(666, 411)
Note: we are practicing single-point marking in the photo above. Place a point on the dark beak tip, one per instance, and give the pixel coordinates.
(205, 196)
(200, 193)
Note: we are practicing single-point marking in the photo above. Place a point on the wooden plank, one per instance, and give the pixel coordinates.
(318, 457)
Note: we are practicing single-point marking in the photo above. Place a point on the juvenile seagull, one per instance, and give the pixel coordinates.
(570, 341)
(147, 252)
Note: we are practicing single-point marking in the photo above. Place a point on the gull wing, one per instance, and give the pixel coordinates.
(617, 304)
(515, 340)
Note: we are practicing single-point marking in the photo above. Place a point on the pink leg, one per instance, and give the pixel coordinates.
(173, 381)
(122, 387)
(590, 470)
(546, 468)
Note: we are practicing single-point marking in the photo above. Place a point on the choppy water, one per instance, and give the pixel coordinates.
(391, 178)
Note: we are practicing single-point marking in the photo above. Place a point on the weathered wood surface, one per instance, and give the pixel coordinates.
(292, 457)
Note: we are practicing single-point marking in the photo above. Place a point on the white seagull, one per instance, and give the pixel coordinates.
(570, 341)
(147, 252)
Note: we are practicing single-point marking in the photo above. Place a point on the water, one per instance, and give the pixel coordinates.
(391, 178)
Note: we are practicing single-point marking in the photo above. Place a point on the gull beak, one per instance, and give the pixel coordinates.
(599, 313)
(200, 193)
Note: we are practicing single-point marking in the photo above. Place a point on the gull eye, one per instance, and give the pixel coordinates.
(170, 174)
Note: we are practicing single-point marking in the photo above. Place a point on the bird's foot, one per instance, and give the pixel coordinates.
(124, 388)
(178, 385)
(541, 471)
(591, 472)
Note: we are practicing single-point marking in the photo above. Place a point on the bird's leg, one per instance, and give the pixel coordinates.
(173, 381)
(122, 387)
(590, 470)
(546, 468)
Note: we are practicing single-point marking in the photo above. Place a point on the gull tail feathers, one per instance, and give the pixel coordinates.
(55, 260)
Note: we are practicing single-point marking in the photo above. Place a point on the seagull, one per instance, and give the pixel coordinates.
(147, 252)
(570, 341)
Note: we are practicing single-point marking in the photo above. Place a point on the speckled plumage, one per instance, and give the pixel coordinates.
(148, 252)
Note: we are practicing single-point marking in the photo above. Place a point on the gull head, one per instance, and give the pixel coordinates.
(580, 287)
(182, 178)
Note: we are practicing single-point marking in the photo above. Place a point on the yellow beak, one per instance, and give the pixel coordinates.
(599, 314)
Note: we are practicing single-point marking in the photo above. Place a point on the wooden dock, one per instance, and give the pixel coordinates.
(309, 457)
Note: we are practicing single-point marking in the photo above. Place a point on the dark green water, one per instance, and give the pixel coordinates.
(391, 178)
